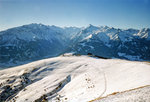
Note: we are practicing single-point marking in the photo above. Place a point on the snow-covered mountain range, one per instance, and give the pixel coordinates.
(33, 42)
(114, 43)
(38, 41)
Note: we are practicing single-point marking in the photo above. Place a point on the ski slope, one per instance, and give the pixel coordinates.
(72, 79)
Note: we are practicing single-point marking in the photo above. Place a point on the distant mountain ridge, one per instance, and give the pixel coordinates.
(37, 41)
(109, 42)
(33, 42)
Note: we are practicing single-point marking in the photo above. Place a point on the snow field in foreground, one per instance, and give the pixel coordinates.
(76, 79)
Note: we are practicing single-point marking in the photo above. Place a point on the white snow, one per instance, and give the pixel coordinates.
(83, 78)
(144, 33)
(141, 94)
(88, 37)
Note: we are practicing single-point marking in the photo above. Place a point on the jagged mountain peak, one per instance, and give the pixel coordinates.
(35, 41)
(105, 27)
(90, 25)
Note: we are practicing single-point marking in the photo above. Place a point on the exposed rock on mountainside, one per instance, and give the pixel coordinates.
(37, 41)
(109, 42)
(33, 42)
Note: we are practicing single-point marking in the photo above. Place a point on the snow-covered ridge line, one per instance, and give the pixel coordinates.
(72, 78)
(65, 27)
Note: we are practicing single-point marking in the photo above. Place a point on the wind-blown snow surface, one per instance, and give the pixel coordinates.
(72, 79)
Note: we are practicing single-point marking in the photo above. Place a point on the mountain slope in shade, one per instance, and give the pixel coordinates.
(109, 42)
(72, 79)
(32, 42)
(37, 41)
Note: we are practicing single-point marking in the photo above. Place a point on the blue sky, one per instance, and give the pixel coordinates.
(115, 13)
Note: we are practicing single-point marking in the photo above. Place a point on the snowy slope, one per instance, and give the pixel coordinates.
(141, 94)
(71, 79)
(144, 33)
